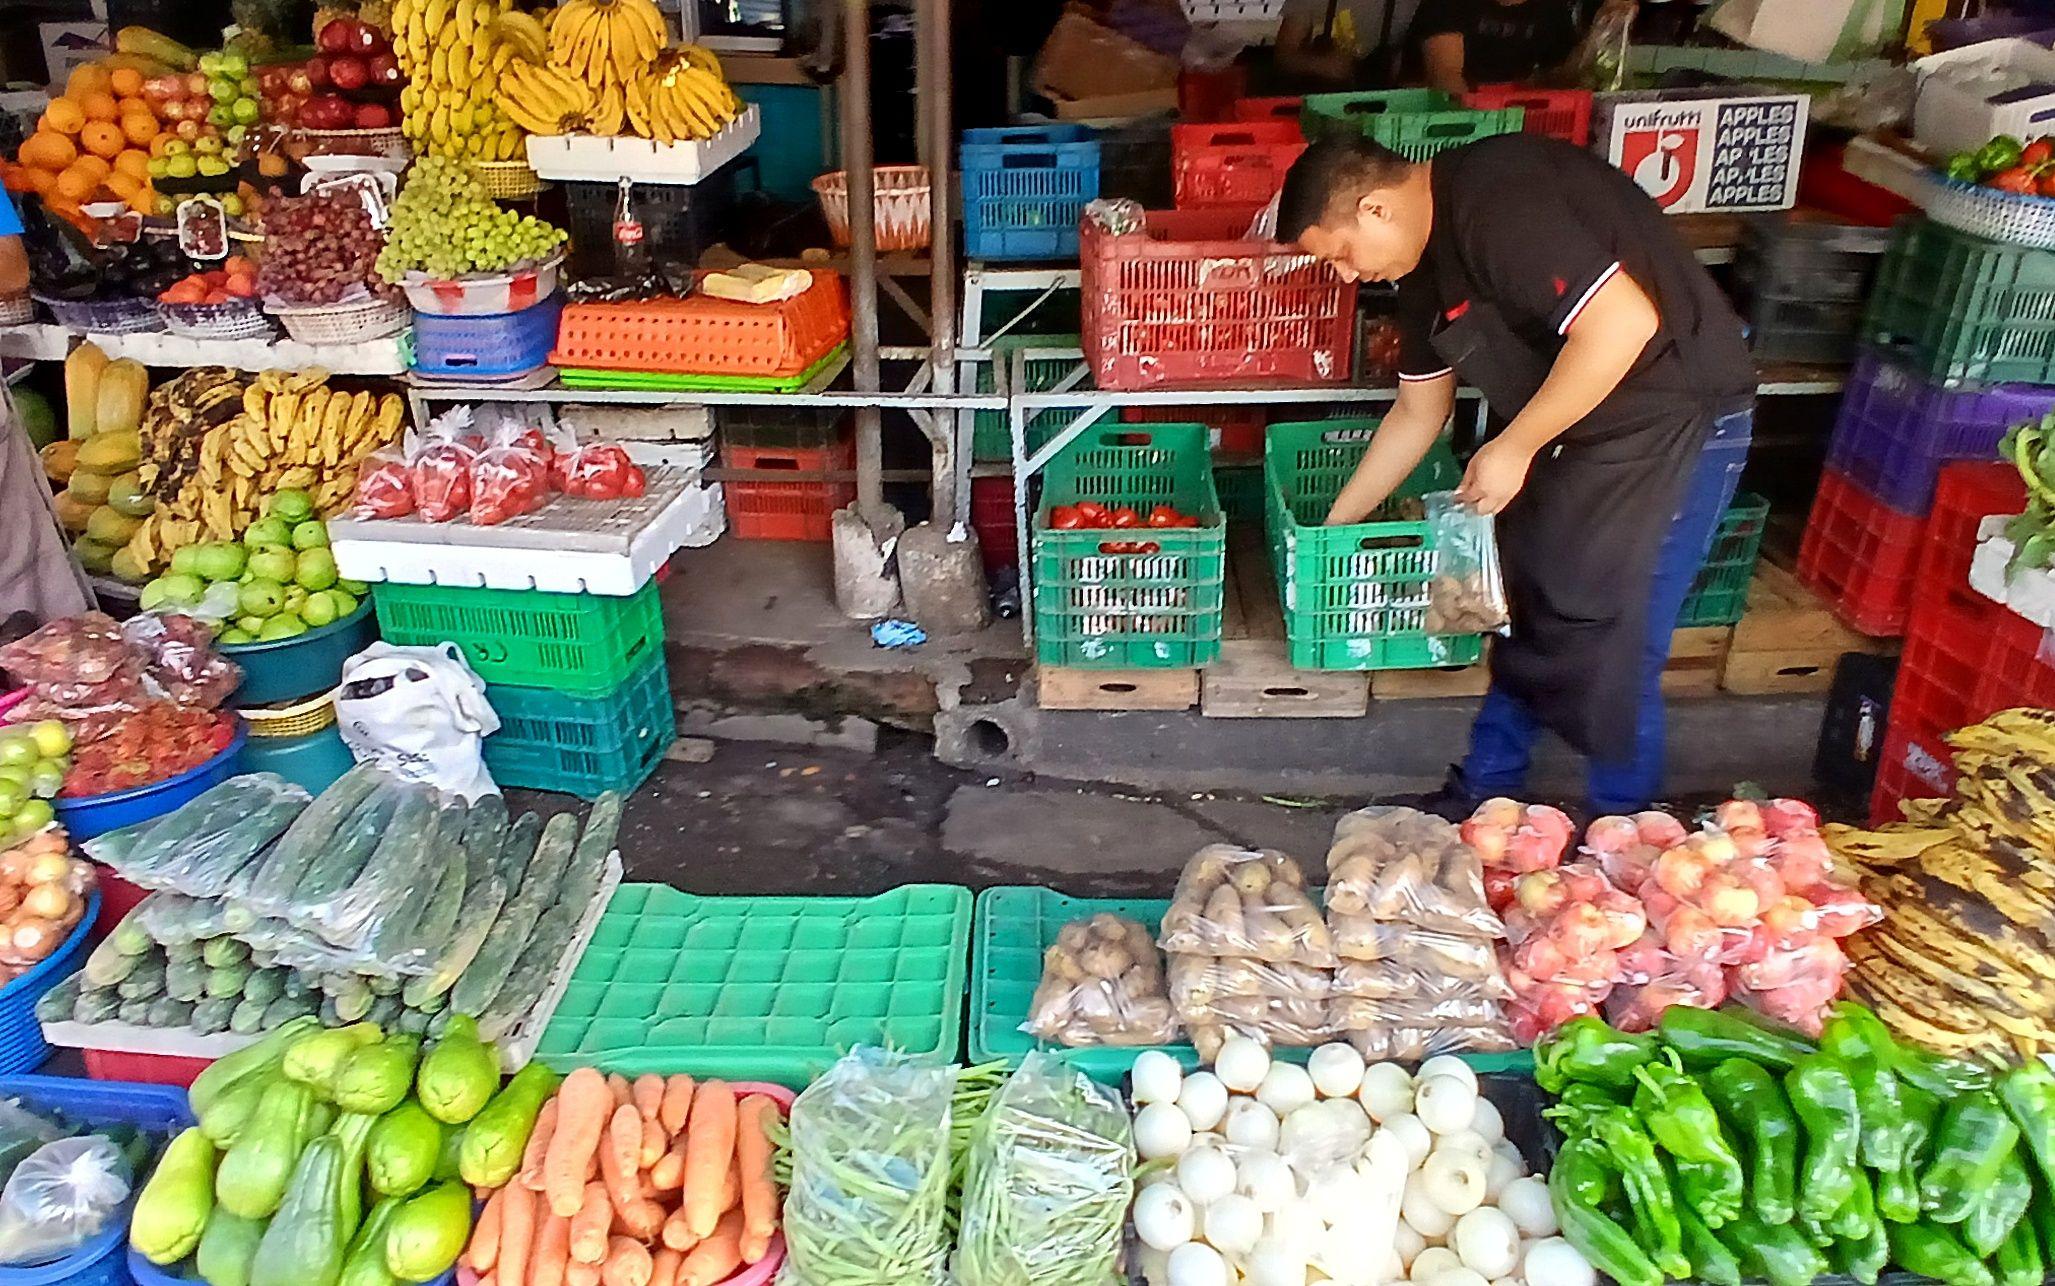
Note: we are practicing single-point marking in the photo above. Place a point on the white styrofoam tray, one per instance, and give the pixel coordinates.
(46, 342)
(568, 546)
(516, 1048)
(2030, 593)
(599, 158)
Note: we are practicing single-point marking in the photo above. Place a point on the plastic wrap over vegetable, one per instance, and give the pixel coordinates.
(870, 1175)
(201, 848)
(1246, 902)
(1102, 984)
(60, 1196)
(1198, 981)
(1468, 592)
(1051, 1172)
(1388, 1043)
(1405, 866)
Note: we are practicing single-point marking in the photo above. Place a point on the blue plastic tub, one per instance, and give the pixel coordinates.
(97, 814)
(495, 345)
(288, 669)
(144, 1273)
(161, 1109)
(21, 1037)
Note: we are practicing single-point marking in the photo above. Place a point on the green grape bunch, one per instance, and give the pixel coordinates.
(445, 224)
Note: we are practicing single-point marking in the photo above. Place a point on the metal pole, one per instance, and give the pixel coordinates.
(863, 250)
(932, 72)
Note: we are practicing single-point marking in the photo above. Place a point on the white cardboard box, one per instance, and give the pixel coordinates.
(1696, 151)
(1968, 95)
(68, 44)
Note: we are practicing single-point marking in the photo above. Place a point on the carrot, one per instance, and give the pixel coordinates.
(552, 1253)
(648, 1092)
(620, 1154)
(530, 1173)
(664, 1266)
(677, 1104)
(485, 1237)
(731, 1187)
(583, 1107)
(709, 1150)
(753, 1162)
(618, 1086)
(642, 1221)
(676, 1234)
(715, 1258)
(654, 1142)
(669, 1172)
(628, 1263)
(577, 1274)
(589, 1226)
(517, 1232)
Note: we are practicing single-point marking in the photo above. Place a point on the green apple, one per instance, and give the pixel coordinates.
(342, 601)
(311, 535)
(273, 530)
(176, 589)
(219, 560)
(263, 598)
(33, 816)
(318, 610)
(273, 562)
(185, 561)
(247, 623)
(316, 569)
(281, 627)
(235, 635)
(291, 504)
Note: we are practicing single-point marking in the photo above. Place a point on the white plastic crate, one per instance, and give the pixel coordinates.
(595, 158)
(568, 546)
(516, 1048)
(1998, 87)
(618, 423)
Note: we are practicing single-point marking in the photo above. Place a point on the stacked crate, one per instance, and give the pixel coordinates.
(1802, 283)
(795, 439)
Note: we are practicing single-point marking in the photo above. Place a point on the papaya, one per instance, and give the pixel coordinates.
(82, 390)
(127, 496)
(60, 458)
(37, 416)
(176, 1203)
(95, 556)
(88, 487)
(111, 452)
(124, 387)
(128, 565)
(111, 526)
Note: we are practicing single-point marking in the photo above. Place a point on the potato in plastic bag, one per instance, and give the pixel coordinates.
(1356, 1013)
(1384, 979)
(1400, 864)
(1468, 592)
(1411, 1044)
(1197, 981)
(1273, 1022)
(1102, 984)
(1245, 902)
(1458, 955)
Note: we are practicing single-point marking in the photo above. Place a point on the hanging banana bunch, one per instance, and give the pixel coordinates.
(454, 53)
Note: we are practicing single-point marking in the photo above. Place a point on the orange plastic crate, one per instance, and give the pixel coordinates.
(788, 510)
(701, 335)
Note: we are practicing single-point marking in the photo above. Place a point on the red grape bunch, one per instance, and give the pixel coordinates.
(318, 248)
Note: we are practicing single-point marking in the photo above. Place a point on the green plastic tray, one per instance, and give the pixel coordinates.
(670, 382)
(763, 988)
(1015, 924)
(582, 645)
(1720, 594)
(1355, 597)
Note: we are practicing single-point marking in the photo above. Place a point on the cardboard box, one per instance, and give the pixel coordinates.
(1968, 95)
(1697, 152)
(1117, 108)
(69, 44)
(1082, 60)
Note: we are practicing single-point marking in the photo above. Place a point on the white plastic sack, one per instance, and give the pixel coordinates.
(59, 1197)
(419, 713)
(1811, 30)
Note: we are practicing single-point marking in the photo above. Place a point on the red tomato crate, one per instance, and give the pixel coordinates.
(1230, 430)
(1238, 163)
(1555, 113)
(1190, 302)
(1858, 554)
(1268, 109)
(991, 515)
(788, 510)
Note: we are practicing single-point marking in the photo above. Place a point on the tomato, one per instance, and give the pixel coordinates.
(1164, 516)
(2038, 153)
(2048, 183)
(635, 482)
(1091, 512)
(1066, 518)
(1148, 547)
(1125, 517)
(2019, 179)
(1185, 520)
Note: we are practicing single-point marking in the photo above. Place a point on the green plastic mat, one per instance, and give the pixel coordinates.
(580, 645)
(763, 988)
(1016, 923)
(1720, 594)
(671, 382)
(1355, 597)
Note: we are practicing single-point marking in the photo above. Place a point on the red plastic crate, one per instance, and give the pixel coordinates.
(1968, 493)
(991, 515)
(149, 1069)
(1210, 95)
(788, 510)
(1859, 555)
(1909, 767)
(2019, 669)
(1555, 113)
(1230, 430)
(1238, 163)
(1823, 184)
(117, 898)
(1189, 302)
(1267, 109)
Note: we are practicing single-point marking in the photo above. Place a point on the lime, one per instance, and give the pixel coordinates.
(282, 626)
(12, 797)
(46, 780)
(52, 738)
(17, 748)
(33, 816)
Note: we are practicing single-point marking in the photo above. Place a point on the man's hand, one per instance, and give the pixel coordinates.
(1495, 476)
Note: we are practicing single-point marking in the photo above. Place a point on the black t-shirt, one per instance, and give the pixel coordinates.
(1501, 42)
(1537, 226)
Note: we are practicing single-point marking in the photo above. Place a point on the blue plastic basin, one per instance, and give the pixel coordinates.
(92, 815)
(288, 669)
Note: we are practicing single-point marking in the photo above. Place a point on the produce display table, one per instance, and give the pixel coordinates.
(45, 342)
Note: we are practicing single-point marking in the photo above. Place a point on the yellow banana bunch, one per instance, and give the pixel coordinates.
(683, 97)
(523, 35)
(545, 99)
(454, 52)
(605, 43)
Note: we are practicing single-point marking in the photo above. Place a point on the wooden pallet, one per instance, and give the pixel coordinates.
(1060, 688)
(1696, 655)
(1427, 685)
(1254, 679)
(1788, 640)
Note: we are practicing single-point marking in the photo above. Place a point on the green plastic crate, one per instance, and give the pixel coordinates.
(582, 746)
(1720, 594)
(763, 988)
(1355, 597)
(989, 438)
(1016, 923)
(1095, 609)
(582, 645)
(1417, 124)
(673, 382)
(1322, 115)
(1241, 491)
(1960, 308)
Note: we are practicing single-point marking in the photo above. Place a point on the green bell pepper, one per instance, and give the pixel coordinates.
(1631, 1155)
(1824, 1100)
(1711, 1261)
(1970, 1146)
(1705, 1038)
(1898, 1189)
(1963, 168)
(1854, 1030)
(1587, 1049)
(2019, 1260)
(1992, 1219)
(1864, 1250)
(1933, 1251)
(1580, 1183)
(1774, 1251)
(1750, 1099)
(2028, 1092)
(2001, 153)
(1677, 1114)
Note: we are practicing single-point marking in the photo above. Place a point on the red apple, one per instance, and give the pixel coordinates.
(364, 38)
(317, 72)
(348, 73)
(332, 111)
(373, 116)
(189, 129)
(299, 82)
(337, 36)
(385, 70)
(196, 86)
(380, 44)
(162, 89)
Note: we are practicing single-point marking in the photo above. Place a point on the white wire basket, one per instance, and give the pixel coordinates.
(235, 319)
(1991, 214)
(349, 323)
(1267, 12)
(900, 204)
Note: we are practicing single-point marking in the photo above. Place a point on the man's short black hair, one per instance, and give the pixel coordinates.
(1330, 173)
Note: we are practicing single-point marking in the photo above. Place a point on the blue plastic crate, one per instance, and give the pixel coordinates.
(495, 345)
(582, 745)
(21, 1037)
(160, 1109)
(1025, 188)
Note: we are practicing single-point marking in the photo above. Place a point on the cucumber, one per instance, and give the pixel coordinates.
(347, 917)
(183, 953)
(135, 1012)
(169, 835)
(218, 952)
(559, 922)
(275, 886)
(284, 1009)
(265, 986)
(485, 894)
(330, 1013)
(166, 1012)
(384, 1011)
(213, 1014)
(485, 833)
(383, 984)
(228, 980)
(246, 1018)
(338, 862)
(185, 980)
(95, 1005)
(411, 1022)
(481, 982)
(241, 844)
(108, 964)
(56, 1004)
(145, 981)
(442, 858)
(130, 937)
(297, 984)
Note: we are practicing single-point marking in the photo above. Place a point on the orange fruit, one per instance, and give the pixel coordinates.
(40, 180)
(87, 78)
(126, 81)
(135, 163)
(139, 127)
(103, 139)
(100, 106)
(93, 165)
(143, 202)
(122, 185)
(64, 116)
(161, 142)
(76, 184)
(48, 151)
(15, 178)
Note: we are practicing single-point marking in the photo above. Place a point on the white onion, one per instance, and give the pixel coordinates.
(1336, 1069)
(1555, 1262)
(1161, 1130)
(1526, 1203)
(1448, 1065)
(1241, 1064)
(1445, 1104)
(1233, 1225)
(1286, 1087)
(1205, 1173)
(1407, 1129)
(1197, 1264)
(1156, 1077)
(1203, 1099)
(1487, 1241)
(1251, 1125)
(1164, 1217)
(1386, 1091)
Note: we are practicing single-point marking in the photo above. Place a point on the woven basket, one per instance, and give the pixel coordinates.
(344, 323)
(509, 180)
(291, 719)
(900, 203)
(236, 319)
(356, 142)
(124, 316)
(1991, 214)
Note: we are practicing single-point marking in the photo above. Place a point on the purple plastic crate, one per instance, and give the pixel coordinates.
(1896, 430)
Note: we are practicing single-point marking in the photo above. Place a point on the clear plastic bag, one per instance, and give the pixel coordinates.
(1050, 1174)
(1400, 864)
(1245, 902)
(424, 831)
(1260, 1018)
(1198, 981)
(1600, 60)
(199, 848)
(1357, 1013)
(1511, 837)
(1455, 955)
(510, 477)
(1102, 984)
(1538, 1008)
(385, 485)
(1636, 1006)
(1468, 592)
(1387, 1044)
(439, 465)
(870, 1175)
(179, 652)
(60, 1197)
(1385, 979)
